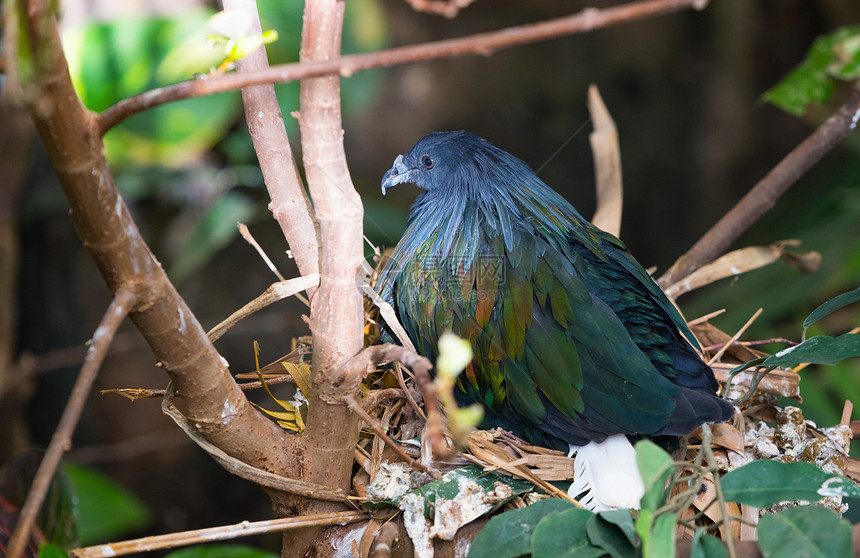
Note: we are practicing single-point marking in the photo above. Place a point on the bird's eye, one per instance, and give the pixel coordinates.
(428, 162)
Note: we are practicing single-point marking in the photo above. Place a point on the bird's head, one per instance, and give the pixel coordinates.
(439, 160)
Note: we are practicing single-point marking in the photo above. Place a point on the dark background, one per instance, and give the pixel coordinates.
(684, 90)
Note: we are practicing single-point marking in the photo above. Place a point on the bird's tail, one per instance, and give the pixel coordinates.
(606, 473)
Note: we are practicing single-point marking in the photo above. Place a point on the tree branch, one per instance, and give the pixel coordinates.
(483, 44)
(215, 405)
(61, 441)
(290, 205)
(763, 196)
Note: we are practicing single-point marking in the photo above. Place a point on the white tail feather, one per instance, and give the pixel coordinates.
(607, 473)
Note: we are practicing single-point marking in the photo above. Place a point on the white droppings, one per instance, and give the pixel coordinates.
(108, 550)
(854, 120)
(343, 545)
(245, 524)
(784, 352)
(260, 114)
(182, 328)
(834, 486)
(118, 206)
(229, 411)
(416, 525)
(98, 333)
(224, 361)
(735, 271)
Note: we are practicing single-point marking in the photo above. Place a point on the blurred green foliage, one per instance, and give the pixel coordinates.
(832, 57)
(193, 156)
(106, 510)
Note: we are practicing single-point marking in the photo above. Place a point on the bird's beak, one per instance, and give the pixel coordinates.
(398, 174)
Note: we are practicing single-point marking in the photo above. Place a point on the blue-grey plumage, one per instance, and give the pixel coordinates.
(573, 341)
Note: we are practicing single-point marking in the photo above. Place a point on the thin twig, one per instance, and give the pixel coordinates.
(61, 441)
(379, 431)
(736, 336)
(764, 195)
(225, 532)
(757, 343)
(483, 44)
(275, 292)
(398, 368)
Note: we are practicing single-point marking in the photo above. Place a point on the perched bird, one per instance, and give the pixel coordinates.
(575, 346)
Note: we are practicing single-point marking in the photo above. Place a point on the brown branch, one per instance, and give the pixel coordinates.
(483, 44)
(214, 404)
(336, 317)
(769, 189)
(61, 441)
(290, 205)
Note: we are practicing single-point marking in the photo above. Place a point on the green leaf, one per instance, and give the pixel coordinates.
(830, 306)
(622, 520)
(655, 466)
(105, 509)
(811, 81)
(509, 534)
(563, 534)
(707, 546)
(821, 349)
(221, 551)
(52, 551)
(662, 543)
(613, 531)
(763, 483)
(811, 531)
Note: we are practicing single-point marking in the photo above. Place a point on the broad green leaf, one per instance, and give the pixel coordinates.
(563, 534)
(613, 531)
(810, 531)
(52, 551)
(621, 519)
(221, 551)
(655, 466)
(764, 482)
(105, 509)
(812, 81)
(707, 546)
(830, 306)
(509, 534)
(821, 349)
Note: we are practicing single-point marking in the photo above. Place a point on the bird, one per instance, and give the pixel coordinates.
(575, 346)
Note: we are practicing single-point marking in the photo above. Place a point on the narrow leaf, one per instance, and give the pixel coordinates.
(821, 349)
(831, 306)
(655, 466)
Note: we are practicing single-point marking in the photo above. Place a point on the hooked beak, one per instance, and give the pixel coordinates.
(398, 174)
